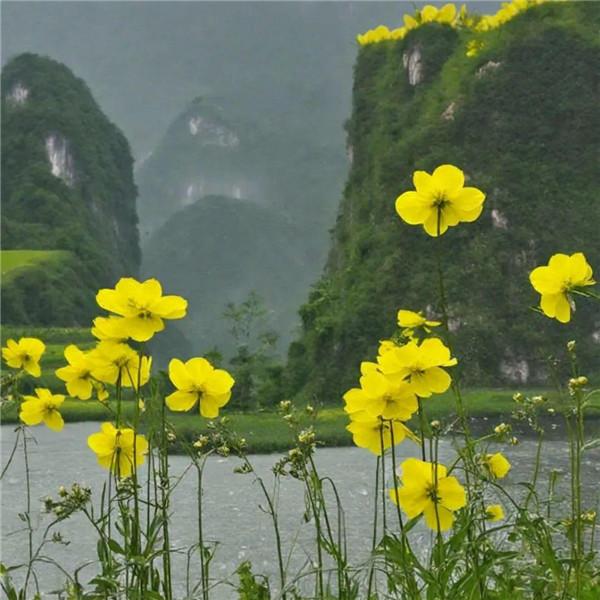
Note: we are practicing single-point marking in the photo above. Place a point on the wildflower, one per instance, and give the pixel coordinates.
(578, 382)
(78, 375)
(497, 465)
(380, 396)
(373, 36)
(285, 405)
(201, 441)
(386, 346)
(371, 433)
(43, 407)
(108, 328)
(502, 428)
(413, 320)
(114, 361)
(426, 489)
(571, 345)
(421, 364)
(141, 306)
(121, 450)
(306, 436)
(440, 200)
(474, 47)
(562, 275)
(198, 381)
(494, 512)
(24, 354)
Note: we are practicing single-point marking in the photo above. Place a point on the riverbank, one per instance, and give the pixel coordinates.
(266, 431)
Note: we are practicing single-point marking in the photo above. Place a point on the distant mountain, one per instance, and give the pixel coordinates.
(521, 119)
(217, 250)
(67, 184)
(209, 149)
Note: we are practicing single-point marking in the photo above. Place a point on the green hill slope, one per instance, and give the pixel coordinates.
(521, 120)
(67, 185)
(217, 251)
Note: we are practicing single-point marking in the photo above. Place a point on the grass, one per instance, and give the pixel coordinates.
(12, 261)
(265, 431)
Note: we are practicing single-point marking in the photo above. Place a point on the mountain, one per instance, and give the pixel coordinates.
(218, 250)
(520, 118)
(210, 163)
(67, 192)
(209, 149)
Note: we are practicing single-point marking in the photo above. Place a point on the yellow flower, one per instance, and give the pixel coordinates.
(473, 48)
(427, 490)
(141, 306)
(494, 512)
(379, 396)
(379, 34)
(78, 375)
(198, 381)
(421, 364)
(440, 200)
(368, 432)
(497, 465)
(399, 33)
(386, 346)
(554, 282)
(446, 14)
(109, 328)
(410, 22)
(120, 450)
(43, 407)
(114, 360)
(24, 354)
(413, 320)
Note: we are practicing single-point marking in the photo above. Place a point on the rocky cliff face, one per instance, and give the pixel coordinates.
(67, 180)
(518, 118)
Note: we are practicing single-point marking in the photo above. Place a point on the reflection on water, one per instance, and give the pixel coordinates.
(231, 503)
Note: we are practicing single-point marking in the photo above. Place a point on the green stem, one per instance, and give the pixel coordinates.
(374, 540)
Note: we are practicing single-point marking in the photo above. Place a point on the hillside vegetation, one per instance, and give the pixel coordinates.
(217, 251)
(67, 185)
(521, 119)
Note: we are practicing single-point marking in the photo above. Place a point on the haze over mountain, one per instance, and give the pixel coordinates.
(275, 77)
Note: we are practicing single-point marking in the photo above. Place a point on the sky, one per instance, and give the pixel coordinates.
(145, 61)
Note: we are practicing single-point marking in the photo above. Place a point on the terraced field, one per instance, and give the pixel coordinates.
(12, 261)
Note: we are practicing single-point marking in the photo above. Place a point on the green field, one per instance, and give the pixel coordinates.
(15, 260)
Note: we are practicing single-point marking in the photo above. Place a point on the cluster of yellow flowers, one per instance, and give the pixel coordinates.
(508, 11)
(451, 16)
(388, 396)
(392, 388)
(447, 14)
(139, 310)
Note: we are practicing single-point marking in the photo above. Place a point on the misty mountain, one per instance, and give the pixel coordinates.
(521, 119)
(67, 193)
(217, 250)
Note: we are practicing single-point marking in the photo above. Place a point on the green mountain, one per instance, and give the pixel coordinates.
(256, 199)
(521, 119)
(210, 149)
(217, 251)
(67, 193)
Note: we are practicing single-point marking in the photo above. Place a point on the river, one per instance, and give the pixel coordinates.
(231, 502)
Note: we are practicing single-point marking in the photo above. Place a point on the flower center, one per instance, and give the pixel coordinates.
(432, 494)
(440, 200)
